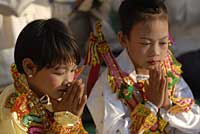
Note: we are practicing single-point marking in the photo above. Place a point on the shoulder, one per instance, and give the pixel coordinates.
(4, 96)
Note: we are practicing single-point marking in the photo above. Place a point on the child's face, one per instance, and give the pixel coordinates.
(52, 81)
(147, 43)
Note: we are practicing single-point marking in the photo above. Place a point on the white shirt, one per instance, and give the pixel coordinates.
(111, 116)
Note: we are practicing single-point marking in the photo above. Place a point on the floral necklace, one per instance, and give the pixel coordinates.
(26, 107)
(124, 86)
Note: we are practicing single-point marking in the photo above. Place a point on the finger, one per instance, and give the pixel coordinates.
(162, 87)
(82, 104)
(82, 88)
(146, 86)
(79, 95)
(78, 87)
(150, 75)
(155, 81)
(166, 87)
(152, 80)
(68, 90)
(160, 72)
(69, 98)
(161, 78)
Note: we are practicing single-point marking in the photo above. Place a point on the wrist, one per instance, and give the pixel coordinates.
(152, 107)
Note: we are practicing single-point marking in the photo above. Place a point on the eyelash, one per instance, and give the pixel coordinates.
(161, 43)
(73, 70)
(145, 44)
(59, 73)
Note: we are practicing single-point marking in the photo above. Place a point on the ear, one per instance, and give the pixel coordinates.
(29, 67)
(123, 39)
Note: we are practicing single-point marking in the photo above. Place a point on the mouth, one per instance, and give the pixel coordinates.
(153, 62)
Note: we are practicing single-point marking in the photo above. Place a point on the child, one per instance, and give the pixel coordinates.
(45, 98)
(145, 92)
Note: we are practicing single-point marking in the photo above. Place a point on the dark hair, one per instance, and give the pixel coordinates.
(47, 43)
(134, 11)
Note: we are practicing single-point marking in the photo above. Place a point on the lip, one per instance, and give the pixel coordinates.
(153, 62)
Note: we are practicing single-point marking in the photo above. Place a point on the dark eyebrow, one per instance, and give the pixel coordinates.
(164, 37)
(60, 67)
(146, 38)
(64, 66)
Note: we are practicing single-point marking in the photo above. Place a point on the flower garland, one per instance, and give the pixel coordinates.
(26, 106)
(124, 86)
(31, 114)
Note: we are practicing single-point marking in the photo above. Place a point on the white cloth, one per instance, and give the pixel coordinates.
(10, 27)
(111, 116)
(13, 7)
(184, 22)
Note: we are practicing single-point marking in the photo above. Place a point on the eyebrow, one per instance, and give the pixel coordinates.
(60, 67)
(64, 67)
(152, 39)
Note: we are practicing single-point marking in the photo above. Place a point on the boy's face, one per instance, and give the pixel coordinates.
(53, 81)
(147, 43)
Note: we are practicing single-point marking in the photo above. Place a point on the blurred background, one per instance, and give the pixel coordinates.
(81, 15)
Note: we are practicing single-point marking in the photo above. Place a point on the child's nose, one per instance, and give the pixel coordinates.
(156, 49)
(70, 78)
(65, 82)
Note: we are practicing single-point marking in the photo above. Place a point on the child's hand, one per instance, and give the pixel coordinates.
(166, 103)
(156, 90)
(73, 100)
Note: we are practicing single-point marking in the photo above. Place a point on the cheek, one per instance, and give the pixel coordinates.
(164, 52)
(54, 81)
(139, 52)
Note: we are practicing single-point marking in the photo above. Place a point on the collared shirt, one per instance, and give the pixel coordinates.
(111, 116)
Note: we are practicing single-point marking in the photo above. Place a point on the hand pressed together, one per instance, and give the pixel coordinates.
(73, 99)
(157, 89)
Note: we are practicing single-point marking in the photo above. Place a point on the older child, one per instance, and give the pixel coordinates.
(145, 92)
(45, 97)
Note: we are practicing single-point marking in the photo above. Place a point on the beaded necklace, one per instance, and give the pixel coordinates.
(26, 106)
(124, 86)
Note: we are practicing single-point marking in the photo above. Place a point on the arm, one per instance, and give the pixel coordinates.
(187, 122)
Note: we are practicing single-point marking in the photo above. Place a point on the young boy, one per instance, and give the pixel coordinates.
(45, 97)
(147, 94)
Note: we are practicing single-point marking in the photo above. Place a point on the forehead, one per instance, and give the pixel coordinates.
(65, 65)
(154, 29)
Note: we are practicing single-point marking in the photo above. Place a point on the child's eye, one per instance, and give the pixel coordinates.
(145, 44)
(73, 70)
(163, 43)
(60, 72)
